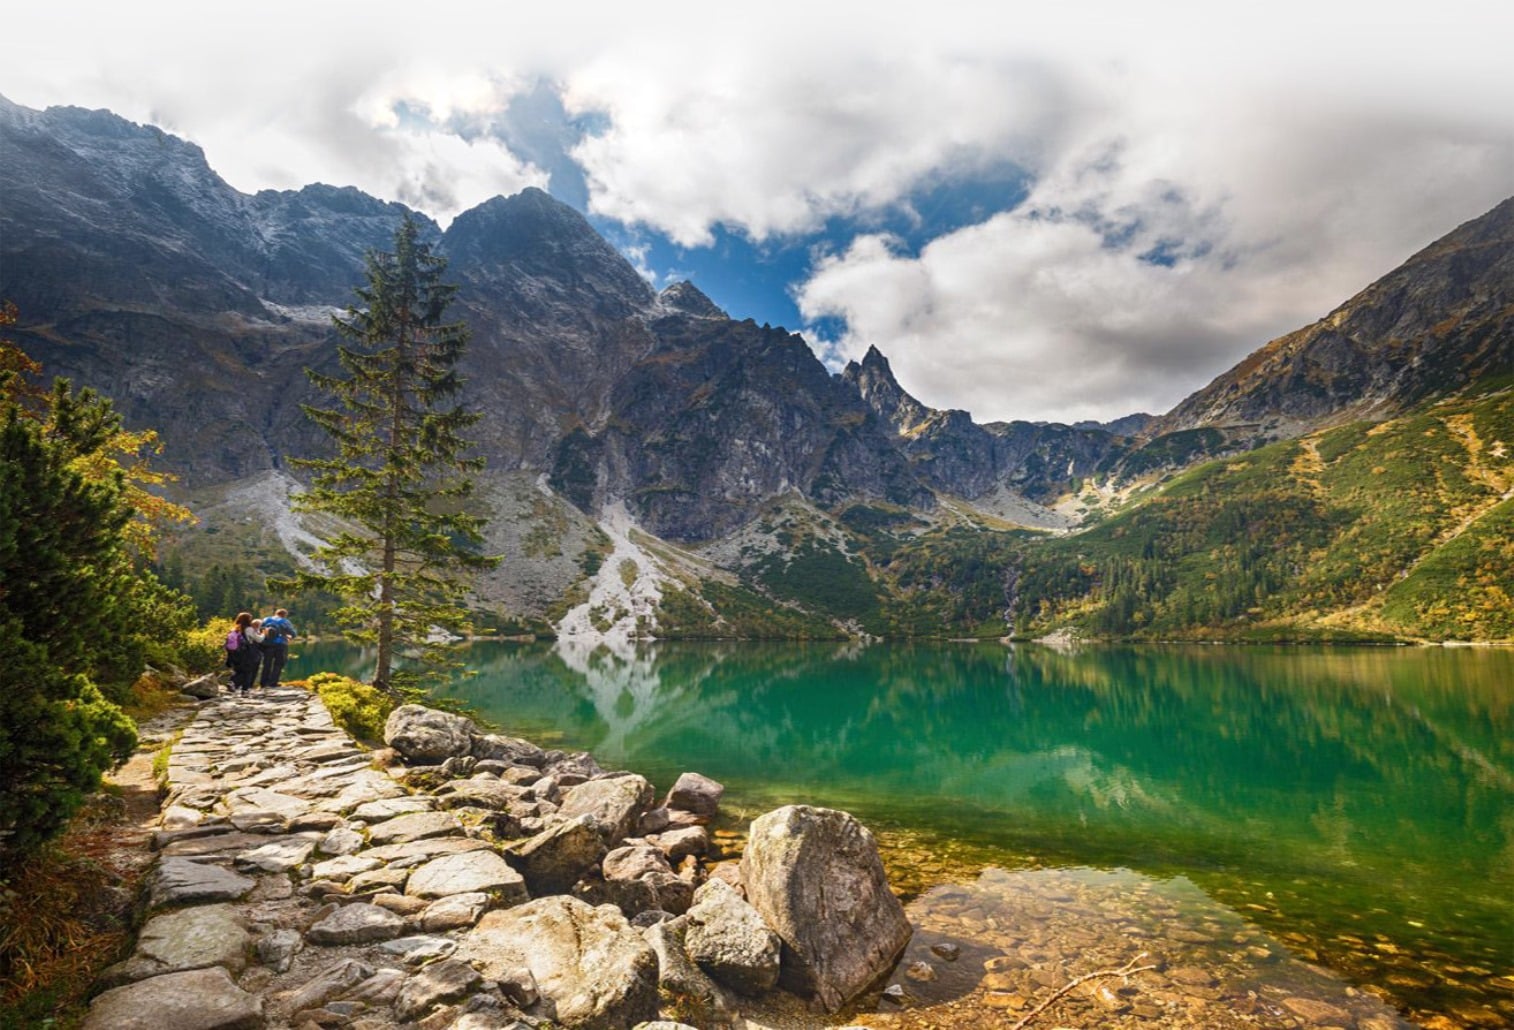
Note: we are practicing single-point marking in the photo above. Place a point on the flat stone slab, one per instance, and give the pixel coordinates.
(388, 808)
(340, 870)
(357, 924)
(469, 873)
(406, 829)
(420, 850)
(195, 938)
(277, 856)
(200, 999)
(179, 881)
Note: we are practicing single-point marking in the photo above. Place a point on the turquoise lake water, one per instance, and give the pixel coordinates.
(1354, 803)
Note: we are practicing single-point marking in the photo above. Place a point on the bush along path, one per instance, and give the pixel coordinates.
(460, 879)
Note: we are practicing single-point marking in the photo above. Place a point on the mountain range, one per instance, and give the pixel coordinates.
(712, 467)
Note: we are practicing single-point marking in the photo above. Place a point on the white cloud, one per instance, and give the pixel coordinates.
(1284, 153)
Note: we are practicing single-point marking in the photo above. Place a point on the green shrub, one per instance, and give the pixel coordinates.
(358, 708)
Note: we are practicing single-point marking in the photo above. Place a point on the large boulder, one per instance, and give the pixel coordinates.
(815, 877)
(591, 969)
(554, 860)
(615, 803)
(728, 939)
(426, 736)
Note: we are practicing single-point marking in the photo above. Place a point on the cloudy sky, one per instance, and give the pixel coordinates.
(1063, 210)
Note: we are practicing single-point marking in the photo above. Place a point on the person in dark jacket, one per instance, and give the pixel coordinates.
(244, 653)
(277, 631)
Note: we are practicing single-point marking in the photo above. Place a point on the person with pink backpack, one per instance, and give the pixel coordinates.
(244, 653)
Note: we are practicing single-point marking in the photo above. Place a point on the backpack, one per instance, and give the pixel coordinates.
(232, 640)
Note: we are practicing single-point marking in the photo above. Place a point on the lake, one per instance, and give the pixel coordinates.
(1353, 803)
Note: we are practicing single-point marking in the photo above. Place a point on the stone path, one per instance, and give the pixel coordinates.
(300, 884)
(304, 882)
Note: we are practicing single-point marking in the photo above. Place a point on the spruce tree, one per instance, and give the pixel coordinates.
(400, 469)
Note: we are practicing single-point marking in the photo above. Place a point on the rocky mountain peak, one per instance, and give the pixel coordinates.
(874, 379)
(531, 236)
(1432, 326)
(688, 299)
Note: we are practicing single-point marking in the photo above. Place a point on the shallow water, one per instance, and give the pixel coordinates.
(1352, 804)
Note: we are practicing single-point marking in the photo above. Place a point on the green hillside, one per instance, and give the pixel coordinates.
(1402, 528)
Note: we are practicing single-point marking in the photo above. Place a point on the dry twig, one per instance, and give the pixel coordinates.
(1128, 969)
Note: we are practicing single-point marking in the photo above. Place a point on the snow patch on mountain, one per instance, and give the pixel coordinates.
(623, 597)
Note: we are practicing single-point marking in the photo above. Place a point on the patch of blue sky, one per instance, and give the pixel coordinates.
(757, 279)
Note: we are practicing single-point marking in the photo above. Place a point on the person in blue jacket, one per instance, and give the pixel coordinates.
(277, 631)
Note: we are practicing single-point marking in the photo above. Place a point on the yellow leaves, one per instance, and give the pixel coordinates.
(130, 454)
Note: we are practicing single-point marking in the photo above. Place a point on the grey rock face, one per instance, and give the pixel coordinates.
(427, 736)
(555, 859)
(200, 999)
(728, 939)
(591, 968)
(203, 688)
(815, 877)
(615, 804)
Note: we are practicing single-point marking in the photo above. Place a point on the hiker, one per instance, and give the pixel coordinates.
(277, 631)
(244, 653)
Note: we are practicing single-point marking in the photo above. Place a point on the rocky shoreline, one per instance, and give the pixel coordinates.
(465, 879)
(472, 880)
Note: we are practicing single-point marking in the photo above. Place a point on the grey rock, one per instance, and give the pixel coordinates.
(728, 939)
(340, 841)
(179, 881)
(278, 856)
(678, 974)
(815, 877)
(199, 999)
(555, 859)
(633, 861)
(331, 983)
(697, 794)
(405, 829)
(479, 792)
(340, 870)
(206, 935)
(357, 924)
(592, 969)
(278, 949)
(415, 950)
(615, 804)
(468, 873)
(690, 840)
(388, 808)
(204, 688)
(427, 736)
(455, 912)
(494, 747)
(438, 984)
